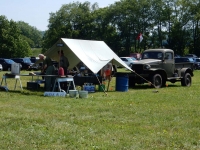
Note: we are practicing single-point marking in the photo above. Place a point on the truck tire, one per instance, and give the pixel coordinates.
(186, 80)
(157, 80)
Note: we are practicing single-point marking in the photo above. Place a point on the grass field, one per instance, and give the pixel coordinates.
(140, 119)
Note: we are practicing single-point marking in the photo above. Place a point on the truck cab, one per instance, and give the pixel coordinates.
(165, 59)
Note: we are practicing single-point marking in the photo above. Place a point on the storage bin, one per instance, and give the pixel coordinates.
(101, 88)
(122, 82)
(73, 93)
(32, 85)
(89, 88)
(83, 94)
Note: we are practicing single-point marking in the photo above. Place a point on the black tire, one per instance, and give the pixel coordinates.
(186, 80)
(157, 81)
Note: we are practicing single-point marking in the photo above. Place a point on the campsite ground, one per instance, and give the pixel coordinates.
(138, 119)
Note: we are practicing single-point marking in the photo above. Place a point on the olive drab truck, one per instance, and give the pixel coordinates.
(157, 66)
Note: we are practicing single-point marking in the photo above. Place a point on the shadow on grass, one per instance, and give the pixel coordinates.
(40, 91)
(146, 86)
(25, 91)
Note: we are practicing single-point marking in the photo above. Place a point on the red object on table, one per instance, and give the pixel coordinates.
(61, 71)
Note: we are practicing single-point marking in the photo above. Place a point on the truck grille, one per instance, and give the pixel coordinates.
(137, 68)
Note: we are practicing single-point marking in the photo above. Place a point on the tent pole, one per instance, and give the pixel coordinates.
(59, 55)
(108, 85)
(101, 85)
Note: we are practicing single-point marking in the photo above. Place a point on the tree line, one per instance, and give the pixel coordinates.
(170, 24)
(18, 38)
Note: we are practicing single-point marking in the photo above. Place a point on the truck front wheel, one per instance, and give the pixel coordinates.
(186, 80)
(157, 81)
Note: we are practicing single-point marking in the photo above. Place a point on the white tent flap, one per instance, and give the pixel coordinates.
(94, 54)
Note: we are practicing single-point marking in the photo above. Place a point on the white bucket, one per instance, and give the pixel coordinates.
(83, 94)
(72, 93)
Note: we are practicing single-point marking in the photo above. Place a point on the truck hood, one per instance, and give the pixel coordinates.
(148, 61)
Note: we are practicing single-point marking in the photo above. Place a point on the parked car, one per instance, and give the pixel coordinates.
(128, 60)
(177, 56)
(196, 63)
(134, 59)
(35, 64)
(25, 62)
(6, 63)
(1, 67)
(34, 59)
(136, 55)
(184, 59)
(191, 55)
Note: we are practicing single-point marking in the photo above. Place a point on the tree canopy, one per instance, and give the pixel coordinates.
(170, 24)
(17, 38)
(167, 23)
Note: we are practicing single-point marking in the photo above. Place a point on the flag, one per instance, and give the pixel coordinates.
(139, 37)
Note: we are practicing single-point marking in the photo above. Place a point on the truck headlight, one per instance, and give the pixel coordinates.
(147, 67)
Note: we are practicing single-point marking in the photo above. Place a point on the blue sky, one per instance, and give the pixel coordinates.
(36, 12)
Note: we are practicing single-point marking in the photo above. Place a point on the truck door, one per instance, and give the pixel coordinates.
(168, 63)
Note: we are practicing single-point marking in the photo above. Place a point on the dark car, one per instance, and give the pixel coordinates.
(177, 56)
(196, 63)
(37, 64)
(34, 59)
(191, 55)
(25, 62)
(185, 60)
(6, 63)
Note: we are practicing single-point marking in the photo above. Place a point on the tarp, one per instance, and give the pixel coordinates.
(94, 54)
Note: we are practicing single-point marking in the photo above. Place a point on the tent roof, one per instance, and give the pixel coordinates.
(94, 54)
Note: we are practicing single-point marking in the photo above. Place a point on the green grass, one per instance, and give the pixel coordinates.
(138, 119)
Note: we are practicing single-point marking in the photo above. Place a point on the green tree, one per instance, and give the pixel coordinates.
(11, 43)
(104, 29)
(71, 21)
(193, 27)
(30, 34)
(170, 23)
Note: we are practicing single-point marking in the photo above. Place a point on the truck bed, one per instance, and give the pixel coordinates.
(184, 65)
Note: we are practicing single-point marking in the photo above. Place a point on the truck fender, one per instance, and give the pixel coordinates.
(186, 70)
(161, 72)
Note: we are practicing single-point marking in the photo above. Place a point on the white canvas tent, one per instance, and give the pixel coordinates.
(94, 54)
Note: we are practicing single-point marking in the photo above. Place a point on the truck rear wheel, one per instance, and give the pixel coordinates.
(157, 81)
(186, 80)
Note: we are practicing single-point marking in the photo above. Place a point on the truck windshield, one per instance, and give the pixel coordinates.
(152, 55)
